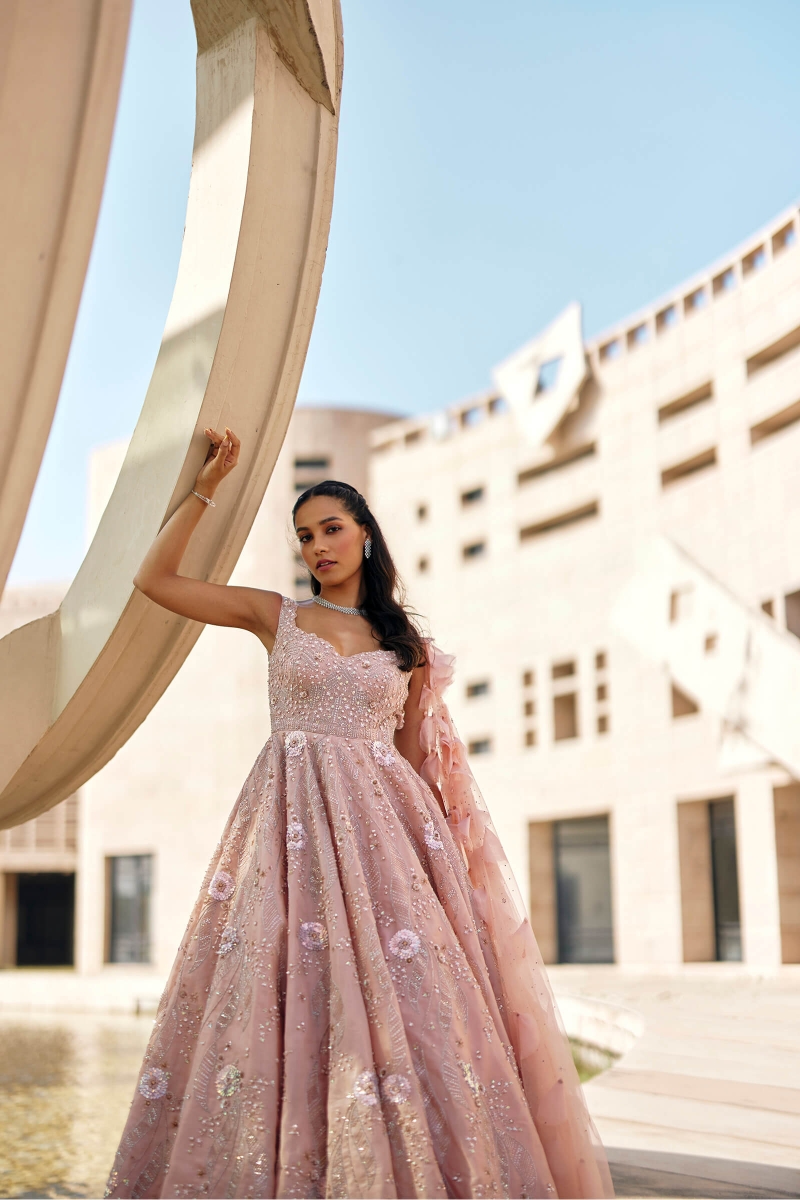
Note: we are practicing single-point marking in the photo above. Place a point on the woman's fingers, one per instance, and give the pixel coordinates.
(235, 445)
(223, 452)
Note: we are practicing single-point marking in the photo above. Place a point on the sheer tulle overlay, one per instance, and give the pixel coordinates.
(358, 1008)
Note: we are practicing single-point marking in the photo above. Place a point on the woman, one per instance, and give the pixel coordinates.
(358, 1007)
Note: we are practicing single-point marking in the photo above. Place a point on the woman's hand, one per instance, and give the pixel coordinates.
(212, 603)
(222, 457)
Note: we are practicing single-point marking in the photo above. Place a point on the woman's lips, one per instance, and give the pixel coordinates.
(326, 562)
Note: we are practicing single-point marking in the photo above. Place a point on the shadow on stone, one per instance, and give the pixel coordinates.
(659, 1173)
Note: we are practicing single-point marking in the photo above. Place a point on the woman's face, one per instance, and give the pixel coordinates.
(331, 541)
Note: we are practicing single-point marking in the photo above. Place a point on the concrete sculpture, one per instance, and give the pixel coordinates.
(79, 681)
(60, 69)
(542, 381)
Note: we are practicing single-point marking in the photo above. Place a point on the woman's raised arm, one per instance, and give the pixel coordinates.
(211, 603)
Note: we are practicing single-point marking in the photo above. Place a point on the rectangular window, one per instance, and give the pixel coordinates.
(423, 564)
(602, 723)
(695, 301)
(725, 881)
(129, 883)
(565, 716)
(530, 737)
(528, 678)
(413, 437)
(600, 660)
(497, 405)
(697, 395)
(473, 550)
(637, 336)
(555, 464)
(311, 464)
(422, 512)
(754, 261)
(575, 515)
(667, 318)
(610, 350)
(784, 345)
(479, 688)
(473, 496)
(774, 424)
(724, 282)
(563, 669)
(581, 853)
(602, 691)
(471, 417)
(690, 466)
(529, 708)
(480, 746)
(768, 606)
(784, 238)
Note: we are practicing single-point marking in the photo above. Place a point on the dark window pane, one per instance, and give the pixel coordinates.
(583, 890)
(45, 919)
(130, 908)
(726, 881)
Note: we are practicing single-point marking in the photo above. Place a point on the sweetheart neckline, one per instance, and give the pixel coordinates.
(330, 645)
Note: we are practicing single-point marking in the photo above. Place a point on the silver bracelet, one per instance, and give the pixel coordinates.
(205, 499)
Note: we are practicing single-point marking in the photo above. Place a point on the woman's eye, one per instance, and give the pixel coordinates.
(333, 529)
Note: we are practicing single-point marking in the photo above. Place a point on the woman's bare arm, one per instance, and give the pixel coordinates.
(211, 603)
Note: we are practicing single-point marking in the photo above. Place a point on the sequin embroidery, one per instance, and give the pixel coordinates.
(221, 886)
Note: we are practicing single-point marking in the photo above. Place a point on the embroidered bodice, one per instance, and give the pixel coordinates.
(314, 688)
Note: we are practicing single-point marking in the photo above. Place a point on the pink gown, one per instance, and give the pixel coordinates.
(358, 1007)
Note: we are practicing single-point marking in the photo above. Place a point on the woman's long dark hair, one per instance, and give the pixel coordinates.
(384, 602)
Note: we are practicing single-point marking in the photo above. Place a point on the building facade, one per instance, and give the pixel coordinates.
(609, 541)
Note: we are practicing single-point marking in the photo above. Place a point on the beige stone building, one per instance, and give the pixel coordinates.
(609, 541)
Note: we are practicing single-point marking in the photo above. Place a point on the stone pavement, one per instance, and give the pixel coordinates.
(706, 1100)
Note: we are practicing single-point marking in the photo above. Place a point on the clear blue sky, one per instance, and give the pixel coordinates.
(496, 161)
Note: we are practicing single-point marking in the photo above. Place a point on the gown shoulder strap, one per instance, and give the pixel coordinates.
(285, 620)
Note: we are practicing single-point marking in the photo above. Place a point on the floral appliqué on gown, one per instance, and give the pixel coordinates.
(358, 1007)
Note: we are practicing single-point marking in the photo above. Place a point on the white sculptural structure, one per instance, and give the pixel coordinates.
(78, 682)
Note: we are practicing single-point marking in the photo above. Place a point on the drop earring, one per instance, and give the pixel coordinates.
(367, 547)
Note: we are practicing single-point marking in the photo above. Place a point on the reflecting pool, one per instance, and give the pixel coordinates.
(66, 1084)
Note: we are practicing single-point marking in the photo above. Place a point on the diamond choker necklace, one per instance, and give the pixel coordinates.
(351, 612)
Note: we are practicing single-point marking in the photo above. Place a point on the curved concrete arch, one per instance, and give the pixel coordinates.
(60, 68)
(78, 682)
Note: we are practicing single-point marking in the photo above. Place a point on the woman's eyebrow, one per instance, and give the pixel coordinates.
(324, 521)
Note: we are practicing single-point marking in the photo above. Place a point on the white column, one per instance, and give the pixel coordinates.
(758, 871)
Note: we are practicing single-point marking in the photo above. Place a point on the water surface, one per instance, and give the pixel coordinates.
(66, 1084)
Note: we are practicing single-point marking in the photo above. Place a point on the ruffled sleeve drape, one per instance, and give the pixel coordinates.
(533, 1026)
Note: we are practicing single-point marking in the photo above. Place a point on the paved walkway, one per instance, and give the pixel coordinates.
(706, 1102)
